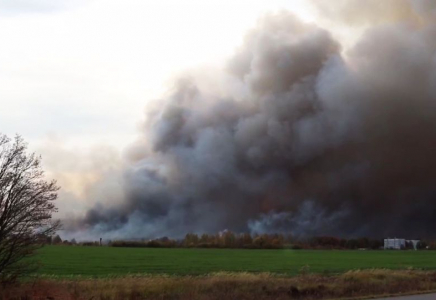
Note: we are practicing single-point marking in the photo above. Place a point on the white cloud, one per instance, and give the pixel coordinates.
(89, 71)
(12, 7)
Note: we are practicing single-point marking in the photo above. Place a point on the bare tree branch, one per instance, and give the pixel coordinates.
(26, 207)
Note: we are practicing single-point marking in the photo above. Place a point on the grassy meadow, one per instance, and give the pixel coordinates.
(112, 273)
(67, 261)
(241, 286)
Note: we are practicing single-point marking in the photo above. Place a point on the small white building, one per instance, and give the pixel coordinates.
(399, 243)
(394, 243)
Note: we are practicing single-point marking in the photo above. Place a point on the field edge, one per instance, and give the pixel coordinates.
(358, 284)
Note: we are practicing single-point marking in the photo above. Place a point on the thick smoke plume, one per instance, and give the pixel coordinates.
(295, 136)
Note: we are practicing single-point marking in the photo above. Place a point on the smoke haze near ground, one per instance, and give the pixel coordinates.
(294, 135)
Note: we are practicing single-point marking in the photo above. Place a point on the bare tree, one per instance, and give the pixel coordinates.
(57, 240)
(26, 208)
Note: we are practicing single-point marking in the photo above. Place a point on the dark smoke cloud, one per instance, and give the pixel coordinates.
(293, 137)
(374, 12)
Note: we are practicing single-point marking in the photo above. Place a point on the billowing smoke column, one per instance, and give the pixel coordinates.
(293, 136)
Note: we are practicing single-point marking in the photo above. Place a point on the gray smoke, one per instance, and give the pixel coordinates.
(293, 136)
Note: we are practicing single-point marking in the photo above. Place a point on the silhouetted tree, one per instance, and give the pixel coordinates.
(246, 241)
(422, 245)
(259, 242)
(375, 244)
(229, 239)
(408, 245)
(57, 240)
(352, 244)
(191, 240)
(26, 207)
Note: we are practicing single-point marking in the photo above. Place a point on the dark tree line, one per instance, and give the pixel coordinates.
(228, 239)
(225, 239)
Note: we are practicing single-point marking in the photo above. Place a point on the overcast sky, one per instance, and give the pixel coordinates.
(80, 71)
(75, 75)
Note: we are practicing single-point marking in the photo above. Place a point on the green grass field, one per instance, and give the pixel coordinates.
(63, 261)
